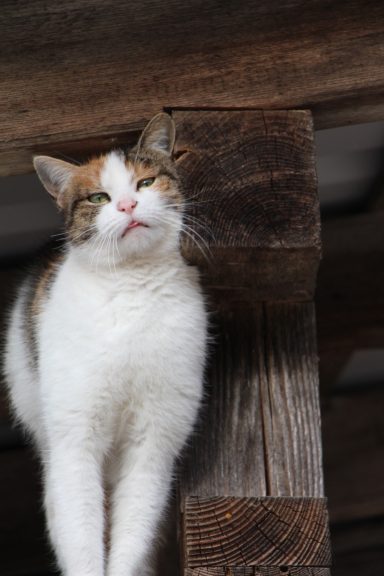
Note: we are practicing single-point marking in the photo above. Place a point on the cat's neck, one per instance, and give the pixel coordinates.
(113, 267)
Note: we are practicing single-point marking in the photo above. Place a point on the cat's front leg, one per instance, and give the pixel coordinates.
(74, 504)
(138, 502)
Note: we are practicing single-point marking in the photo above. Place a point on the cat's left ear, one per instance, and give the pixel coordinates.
(159, 134)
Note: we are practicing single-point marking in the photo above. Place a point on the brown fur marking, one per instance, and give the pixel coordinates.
(38, 285)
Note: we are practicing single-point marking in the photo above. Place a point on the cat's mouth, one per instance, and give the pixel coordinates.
(133, 224)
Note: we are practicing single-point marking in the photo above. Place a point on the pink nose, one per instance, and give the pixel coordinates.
(126, 206)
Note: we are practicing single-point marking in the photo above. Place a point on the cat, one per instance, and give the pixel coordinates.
(105, 354)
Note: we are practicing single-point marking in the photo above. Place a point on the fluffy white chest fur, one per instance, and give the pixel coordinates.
(130, 342)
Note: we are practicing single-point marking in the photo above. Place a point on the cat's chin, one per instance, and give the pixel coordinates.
(137, 241)
(133, 225)
(140, 241)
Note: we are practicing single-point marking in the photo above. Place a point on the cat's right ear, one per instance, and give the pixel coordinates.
(54, 174)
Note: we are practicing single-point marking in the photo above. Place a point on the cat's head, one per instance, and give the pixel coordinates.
(120, 205)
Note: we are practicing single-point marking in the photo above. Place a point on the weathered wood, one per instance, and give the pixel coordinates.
(250, 176)
(81, 70)
(258, 571)
(260, 431)
(255, 531)
(70, 147)
(290, 402)
(252, 204)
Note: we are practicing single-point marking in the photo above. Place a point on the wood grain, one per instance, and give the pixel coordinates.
(250, 177)
(83, 69)
(258, 571)
(255, 531)
(290, 401)
(259, 433)
(252, 204)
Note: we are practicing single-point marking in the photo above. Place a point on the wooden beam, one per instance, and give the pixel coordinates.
(260, 434)
(260, 430)
(252, 441)
(252, 204)
(80, 73)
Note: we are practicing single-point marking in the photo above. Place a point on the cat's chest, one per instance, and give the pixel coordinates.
(118, 320)
(122, 342)
(128, 320)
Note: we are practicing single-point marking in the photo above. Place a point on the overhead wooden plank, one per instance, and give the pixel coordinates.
(80, 70)
(252, 212)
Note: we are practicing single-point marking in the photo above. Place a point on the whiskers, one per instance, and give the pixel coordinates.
(106, 241)
(196, 230)
(190, 228)
(64, 238)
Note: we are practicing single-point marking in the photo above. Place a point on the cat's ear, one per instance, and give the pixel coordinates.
(159, 134)
(54, 174)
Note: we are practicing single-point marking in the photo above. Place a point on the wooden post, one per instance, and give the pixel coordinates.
(251, 493)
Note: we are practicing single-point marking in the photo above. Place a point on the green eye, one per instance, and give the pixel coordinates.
(99, 198)
(145, 183)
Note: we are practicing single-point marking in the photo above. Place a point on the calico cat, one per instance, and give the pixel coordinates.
(105, 354)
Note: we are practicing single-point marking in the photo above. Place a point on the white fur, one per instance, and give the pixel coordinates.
(115, 178)
(121, 357)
